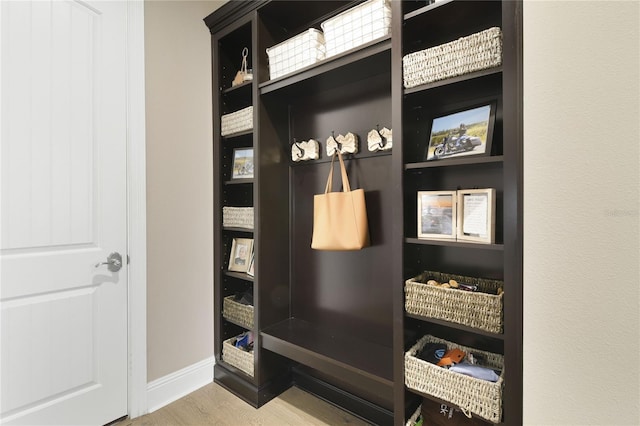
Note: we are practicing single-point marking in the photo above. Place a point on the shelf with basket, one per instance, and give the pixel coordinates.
(237, 135)
(332, 43)
(357, 63)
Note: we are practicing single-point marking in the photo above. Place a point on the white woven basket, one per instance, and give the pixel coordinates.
(414, 417)
(468, 54)
(359, 25)
(237, 312)
(237, 121)
(481, 309)
(240, 359)
(237, 217)
(295, 53)
(480, 397)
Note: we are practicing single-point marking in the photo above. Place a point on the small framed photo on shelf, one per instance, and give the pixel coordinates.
(242, 167)
(477, 215)
(437, 215)
(240, 256)
(250, 270)
(462, 133)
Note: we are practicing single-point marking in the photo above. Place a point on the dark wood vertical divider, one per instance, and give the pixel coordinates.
(334, 323)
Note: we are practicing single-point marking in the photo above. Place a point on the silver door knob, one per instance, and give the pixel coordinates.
(114, 262)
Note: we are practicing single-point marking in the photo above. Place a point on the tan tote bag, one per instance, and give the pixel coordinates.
(340, 218)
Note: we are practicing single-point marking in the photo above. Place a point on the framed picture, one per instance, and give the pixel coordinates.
(250, 270)
(437, 215)
(242, 163)
(240, 256)
(462, 133)
(477, 215)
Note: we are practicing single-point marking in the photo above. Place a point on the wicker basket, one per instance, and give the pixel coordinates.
(414, 417)
(237, 357)
(481, 309)
(471, 395)
(237, 217)
(359, 25)
(295, 53)
(236, 122)
(468, 54)
(237, 312)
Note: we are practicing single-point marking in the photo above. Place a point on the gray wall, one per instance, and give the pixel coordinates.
(179, 185)
(581, 186)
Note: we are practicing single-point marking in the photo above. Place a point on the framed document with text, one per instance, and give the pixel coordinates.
(477, 215)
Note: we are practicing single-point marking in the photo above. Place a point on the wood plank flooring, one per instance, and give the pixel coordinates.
(214, 405)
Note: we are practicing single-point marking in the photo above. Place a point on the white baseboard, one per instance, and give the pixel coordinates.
(165, 390)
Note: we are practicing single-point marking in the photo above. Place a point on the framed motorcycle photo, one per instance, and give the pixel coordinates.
(437, 215)
(462, 133)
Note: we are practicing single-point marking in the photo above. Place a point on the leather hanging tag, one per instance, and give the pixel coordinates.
(239, 79)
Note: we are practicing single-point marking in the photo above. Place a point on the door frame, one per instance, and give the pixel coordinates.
(136, 212)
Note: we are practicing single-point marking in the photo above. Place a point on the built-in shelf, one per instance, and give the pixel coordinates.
(450, 81)
(233, 369)
(442, 401)
(352, 65)
(238, 181)
(456, 326)
(425, 9)
(239, 275)
(233, 229)
(453, 243)
(239, 88)
(459, 161)
(238, 134)
(330, 351)
(236, 323)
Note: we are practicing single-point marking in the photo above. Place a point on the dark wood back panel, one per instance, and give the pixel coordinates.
(347, 290)
(350, 291)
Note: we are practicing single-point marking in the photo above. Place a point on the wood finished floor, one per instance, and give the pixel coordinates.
(213, 405)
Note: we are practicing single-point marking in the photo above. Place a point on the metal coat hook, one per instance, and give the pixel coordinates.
(300, 154)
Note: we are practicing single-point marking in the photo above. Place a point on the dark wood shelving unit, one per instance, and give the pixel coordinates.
(452, 162)
(238, 134)
(233, 229)
(425, 9)
(330, 350)
(246, 86)
(453, 243)
(239, 275)
(457, 326)
(239, 181)
(454, 80)
(351, 65)
(333, 323)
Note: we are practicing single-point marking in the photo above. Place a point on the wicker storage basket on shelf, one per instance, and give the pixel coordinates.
(414, 417)
(468, 54)
(237, 357)
(295, 53)
(482, 309)
(237, 121)
(237, 217)
(237, 312)
(359, 25)
(480, 397)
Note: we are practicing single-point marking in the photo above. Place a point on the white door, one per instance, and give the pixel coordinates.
(63, 210)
